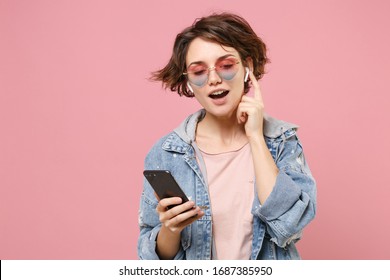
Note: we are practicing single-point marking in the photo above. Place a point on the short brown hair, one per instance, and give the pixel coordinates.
(225, 29)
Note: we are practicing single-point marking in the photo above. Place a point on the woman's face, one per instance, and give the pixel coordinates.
(221, 90)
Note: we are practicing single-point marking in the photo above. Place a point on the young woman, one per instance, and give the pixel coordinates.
(251, 191)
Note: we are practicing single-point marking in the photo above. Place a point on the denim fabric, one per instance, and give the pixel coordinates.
(277, 224)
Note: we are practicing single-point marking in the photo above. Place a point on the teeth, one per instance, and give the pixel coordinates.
(218, 92)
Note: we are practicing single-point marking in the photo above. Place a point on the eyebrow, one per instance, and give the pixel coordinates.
(219, 58)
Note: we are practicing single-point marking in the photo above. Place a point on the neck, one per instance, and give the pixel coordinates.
(224, 133)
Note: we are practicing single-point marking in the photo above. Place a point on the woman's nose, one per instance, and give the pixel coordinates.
(214, 78)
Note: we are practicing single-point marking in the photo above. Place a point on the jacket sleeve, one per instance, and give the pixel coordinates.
(292, 202)
(150, 225)
(148, 220)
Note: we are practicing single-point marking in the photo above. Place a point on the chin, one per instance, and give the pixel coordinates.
(221, 112)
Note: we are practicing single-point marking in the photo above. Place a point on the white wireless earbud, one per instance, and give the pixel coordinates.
(189, 87)
(246, 74)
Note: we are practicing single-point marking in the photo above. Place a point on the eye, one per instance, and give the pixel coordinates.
(226, 64)
(199, 72)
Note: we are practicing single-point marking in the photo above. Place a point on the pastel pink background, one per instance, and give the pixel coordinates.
(77, 117)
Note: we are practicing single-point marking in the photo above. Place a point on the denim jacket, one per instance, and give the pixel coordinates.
(277, 224)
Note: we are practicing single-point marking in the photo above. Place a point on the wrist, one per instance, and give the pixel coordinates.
(167, 243)
(257, 137)
(166, 231)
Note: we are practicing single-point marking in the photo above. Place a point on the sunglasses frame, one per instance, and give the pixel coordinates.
(208, 74)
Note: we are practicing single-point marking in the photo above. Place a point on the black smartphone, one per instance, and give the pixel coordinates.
(164, 184)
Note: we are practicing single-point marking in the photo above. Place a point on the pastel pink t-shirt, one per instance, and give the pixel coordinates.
(230, 178)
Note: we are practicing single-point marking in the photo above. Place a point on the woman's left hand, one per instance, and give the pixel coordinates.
(250, 111)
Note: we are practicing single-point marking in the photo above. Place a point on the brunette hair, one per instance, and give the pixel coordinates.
(225, 29)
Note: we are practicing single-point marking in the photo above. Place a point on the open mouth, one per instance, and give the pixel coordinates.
(219, 94)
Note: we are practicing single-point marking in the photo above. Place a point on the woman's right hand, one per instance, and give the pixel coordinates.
(179, 216)
(173, 221)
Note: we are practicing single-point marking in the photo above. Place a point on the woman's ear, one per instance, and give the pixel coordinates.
(249, 63)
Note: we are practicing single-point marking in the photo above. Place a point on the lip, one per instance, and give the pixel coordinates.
(219, 101)
(216, 90)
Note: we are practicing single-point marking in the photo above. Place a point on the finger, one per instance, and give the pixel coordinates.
(192, 213)
(176, 220)
(179, 209)
(246, 107)
(251, 105)
(190, 217)
(248, 99)
(164, 203)
(247, 111)
(191, 220)
(256, 87)
(241, 115)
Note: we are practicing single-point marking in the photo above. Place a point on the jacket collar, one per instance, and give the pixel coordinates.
(184, 134)
(274, 128)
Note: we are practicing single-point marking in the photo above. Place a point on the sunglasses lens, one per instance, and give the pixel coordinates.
(227, 68)
(198, 75)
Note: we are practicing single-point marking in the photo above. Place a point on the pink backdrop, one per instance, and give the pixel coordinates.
(77, 116)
